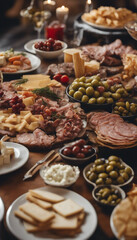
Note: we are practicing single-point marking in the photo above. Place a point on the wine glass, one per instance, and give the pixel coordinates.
(36, 13)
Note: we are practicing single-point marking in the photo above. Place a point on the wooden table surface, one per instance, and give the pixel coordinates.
(12, 185)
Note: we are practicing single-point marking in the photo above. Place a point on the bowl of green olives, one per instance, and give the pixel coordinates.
(93, 93)
(108, 171)
(108, 195)
(126, 109)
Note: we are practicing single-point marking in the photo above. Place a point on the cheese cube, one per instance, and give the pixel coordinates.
(91, 67)
(68, 54)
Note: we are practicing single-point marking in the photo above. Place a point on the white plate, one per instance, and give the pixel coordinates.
(35, 63)
(1, 209)
(102, 27)
(28, 45)
(21, 155)
(17, 229)
(113, 227)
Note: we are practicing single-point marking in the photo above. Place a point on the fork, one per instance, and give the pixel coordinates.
(29, 173)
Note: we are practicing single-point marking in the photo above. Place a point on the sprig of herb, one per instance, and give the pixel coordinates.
(46, 92)
(21, 53)
(20, 81)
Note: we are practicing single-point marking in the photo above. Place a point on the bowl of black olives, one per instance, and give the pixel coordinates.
(108, 195)
(108, 171)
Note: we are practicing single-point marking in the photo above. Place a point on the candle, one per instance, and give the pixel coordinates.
(49, 5)
(62, 13)
(88, 6)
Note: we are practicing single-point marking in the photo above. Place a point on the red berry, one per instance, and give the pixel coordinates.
(101, 89)
(64, 79)
(80, 155)
(75, 150)
(67, 151)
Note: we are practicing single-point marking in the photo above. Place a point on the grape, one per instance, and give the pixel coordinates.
(48, 45)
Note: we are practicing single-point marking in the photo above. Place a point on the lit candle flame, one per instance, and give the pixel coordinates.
(89, 1)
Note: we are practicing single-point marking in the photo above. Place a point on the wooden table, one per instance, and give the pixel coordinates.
(12, 185)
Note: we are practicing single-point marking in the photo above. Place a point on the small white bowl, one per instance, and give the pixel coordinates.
(50, 54)
(58, 184)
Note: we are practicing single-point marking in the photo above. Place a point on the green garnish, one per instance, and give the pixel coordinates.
(20, 81)
(21, 53)
(44, 103)
(46, 92)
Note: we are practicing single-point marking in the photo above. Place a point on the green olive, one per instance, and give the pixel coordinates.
(89, 80)
(125, 176)
(120, 90)
(96, 77)
(133, 109)
(96, 94)
(100, 168)
(120, 180)
(113, 158)
(103, 175)
(71, 92)
(114, 196)
(116, 96)
(87, 85)
(106, 85)
(106, 193)
(120, 104)
(104, 201)
(106, 94)
(127, 105)
(89, 91)
(81, 84)
(85, 98)
(78, 95)
(101, 100)
(99, 161)
(109, 168)
(113, 89)
(94, 83)
(99, 181)
(125, 94)
(88, 173)
(82, 79)
(82, 89)
(109, 199)
(92, 177)
(128, 171)
(110, 100)
(113, 163)
(118, 200)
(113, 174)
(121, 109)
(75, 86)
(92, 100)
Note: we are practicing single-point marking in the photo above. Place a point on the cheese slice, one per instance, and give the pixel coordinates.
(34, 81)
(2, 61)
(79, 67)
(68, 54)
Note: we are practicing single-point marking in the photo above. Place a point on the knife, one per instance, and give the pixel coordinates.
(29, 173)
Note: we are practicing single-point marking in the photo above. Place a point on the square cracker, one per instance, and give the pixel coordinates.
(47, 196)
(60, 222)
(20, 214)
(32, 228)
(37, 201)
(36, 212)
(67, 208)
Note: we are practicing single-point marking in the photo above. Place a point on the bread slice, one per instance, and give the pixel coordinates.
(36, 212)
(67, 208)
(45, 195)
(37, 201)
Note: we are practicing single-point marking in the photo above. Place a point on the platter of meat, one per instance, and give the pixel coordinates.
(112, 131)
(40, 116)
(18, 62)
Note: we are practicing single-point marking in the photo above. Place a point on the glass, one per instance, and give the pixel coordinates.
(55, 30)
(36, 13)
(73, 37)
(131, 27)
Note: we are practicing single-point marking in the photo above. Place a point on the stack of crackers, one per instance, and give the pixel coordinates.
(125, 216)
(48, 211)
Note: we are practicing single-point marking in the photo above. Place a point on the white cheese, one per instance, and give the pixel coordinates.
(2, 61)
(61, 174)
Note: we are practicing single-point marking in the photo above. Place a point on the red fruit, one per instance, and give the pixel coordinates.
(51, 40)
(75, 150)
(64, 79)
(67, 151)
(110, 82)
(80, 142)
(84, 150)
(57, 77)
(101, 89)
(80, 155)
(88, 146)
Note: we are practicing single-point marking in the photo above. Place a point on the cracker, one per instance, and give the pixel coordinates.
(36, 212)
(60, 222)
(37, 201)
(20, 214)
(67, 208)
(32, 228)
(47, 196)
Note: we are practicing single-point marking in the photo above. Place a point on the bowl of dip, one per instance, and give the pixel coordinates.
(59, 175)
